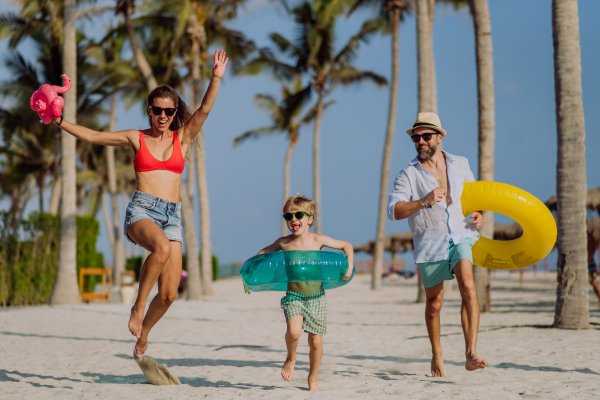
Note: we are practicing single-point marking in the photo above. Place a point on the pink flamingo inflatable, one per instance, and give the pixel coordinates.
(47, 102)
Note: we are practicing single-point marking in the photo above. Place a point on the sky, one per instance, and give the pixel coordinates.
(245, 183)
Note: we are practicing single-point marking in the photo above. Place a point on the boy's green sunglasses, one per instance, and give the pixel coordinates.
(298, 214)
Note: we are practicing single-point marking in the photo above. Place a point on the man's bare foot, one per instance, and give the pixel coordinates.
(313, 386)
(474, 362)
(287, 372)
(135, 322)
(141, 346)
(437, 366)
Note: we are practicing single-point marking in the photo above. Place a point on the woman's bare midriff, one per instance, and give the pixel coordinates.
(160, 183)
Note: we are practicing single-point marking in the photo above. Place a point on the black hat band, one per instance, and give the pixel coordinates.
(417, 124)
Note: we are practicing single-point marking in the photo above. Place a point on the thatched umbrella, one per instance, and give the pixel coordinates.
(394, 243)
(402, 242)
(592, 200)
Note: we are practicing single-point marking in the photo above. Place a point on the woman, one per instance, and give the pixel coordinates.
(153, 218)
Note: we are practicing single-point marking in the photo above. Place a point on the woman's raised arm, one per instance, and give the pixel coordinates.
(121, 138)
(193, 126)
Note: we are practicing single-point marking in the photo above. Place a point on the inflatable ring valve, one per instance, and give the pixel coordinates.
(273, 271)
(539, 226)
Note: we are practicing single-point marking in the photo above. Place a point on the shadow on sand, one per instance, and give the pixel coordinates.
(209, 362)
(5, 378)
(548, 369)
(130, 341)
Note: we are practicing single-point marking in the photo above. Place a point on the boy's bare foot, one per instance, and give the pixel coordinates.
(141, 346)
(437, 366)
(135, 322)
(474, 362)
(313, 386)
(287, 372)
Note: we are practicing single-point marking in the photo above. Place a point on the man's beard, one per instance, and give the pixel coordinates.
(428, 153)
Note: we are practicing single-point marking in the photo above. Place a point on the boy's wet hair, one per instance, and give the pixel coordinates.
(300, 203)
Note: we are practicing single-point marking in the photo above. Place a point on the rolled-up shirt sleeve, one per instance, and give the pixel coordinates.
(402, 192)
(469, 174)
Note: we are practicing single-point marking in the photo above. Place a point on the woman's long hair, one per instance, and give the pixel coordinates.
(183, 114)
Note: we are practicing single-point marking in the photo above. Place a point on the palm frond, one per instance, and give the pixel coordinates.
(348, 52)
(347, 75)
(312, 113)
(254, 133)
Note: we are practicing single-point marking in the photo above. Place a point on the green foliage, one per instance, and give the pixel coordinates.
(88, 229)
(28, 265)
(215, 264)
(134, 264)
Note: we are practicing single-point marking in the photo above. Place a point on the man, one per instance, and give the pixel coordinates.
(427, 192)
(592, 264)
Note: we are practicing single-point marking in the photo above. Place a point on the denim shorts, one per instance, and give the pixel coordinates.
(165, 214)
(436, 272)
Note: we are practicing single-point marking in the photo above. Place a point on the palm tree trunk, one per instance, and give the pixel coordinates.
(117, 248)
(205, 239)
(426, 68)
(427, 86)
(318, 219)
(66, 290)
(433, 78)
(140, 59)
(200, 161)
(487, 132)
(292, 143)
(108, 222)
(55, 196)
(56, 185)
(194, 287)
(387, 154)
(41, 188)
(572, 304)
(125, 202)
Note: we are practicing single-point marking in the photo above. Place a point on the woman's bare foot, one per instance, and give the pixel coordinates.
(287, 372)
(474, 362)
(313, 386)
(437, 366)
(141, 346)
(135, 322)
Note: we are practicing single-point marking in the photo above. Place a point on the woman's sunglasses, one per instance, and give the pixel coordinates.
(417, 138)
(298, 214)
(169, 112)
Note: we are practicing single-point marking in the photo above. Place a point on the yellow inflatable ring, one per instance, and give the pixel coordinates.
(539, 227)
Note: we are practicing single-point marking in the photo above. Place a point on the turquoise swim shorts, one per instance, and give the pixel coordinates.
(436, 272)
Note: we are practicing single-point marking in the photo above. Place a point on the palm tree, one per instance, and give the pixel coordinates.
(202, 24)
(313, 54)
(283, 120)
(390, 14)
(126, 8)
(66, 290)
(487, 129)
(572, 306)
(425, 58)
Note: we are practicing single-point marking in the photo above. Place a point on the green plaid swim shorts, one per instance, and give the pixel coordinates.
(313, 307)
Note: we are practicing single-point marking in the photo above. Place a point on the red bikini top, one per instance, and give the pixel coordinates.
(144, 160)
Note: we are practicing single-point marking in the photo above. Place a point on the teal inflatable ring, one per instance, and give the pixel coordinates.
(273, 271)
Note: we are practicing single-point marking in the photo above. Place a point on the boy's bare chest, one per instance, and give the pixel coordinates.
(313, 245)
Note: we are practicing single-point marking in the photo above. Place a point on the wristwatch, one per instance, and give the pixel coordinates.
(425, 202)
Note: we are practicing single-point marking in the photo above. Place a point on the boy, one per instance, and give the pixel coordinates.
(304, 304)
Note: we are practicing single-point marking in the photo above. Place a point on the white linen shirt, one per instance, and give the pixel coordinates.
(434, 227)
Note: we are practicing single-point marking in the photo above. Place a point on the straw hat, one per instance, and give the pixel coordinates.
(429, 120)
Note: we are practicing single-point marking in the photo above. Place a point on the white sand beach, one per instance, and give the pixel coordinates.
(230, 346)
